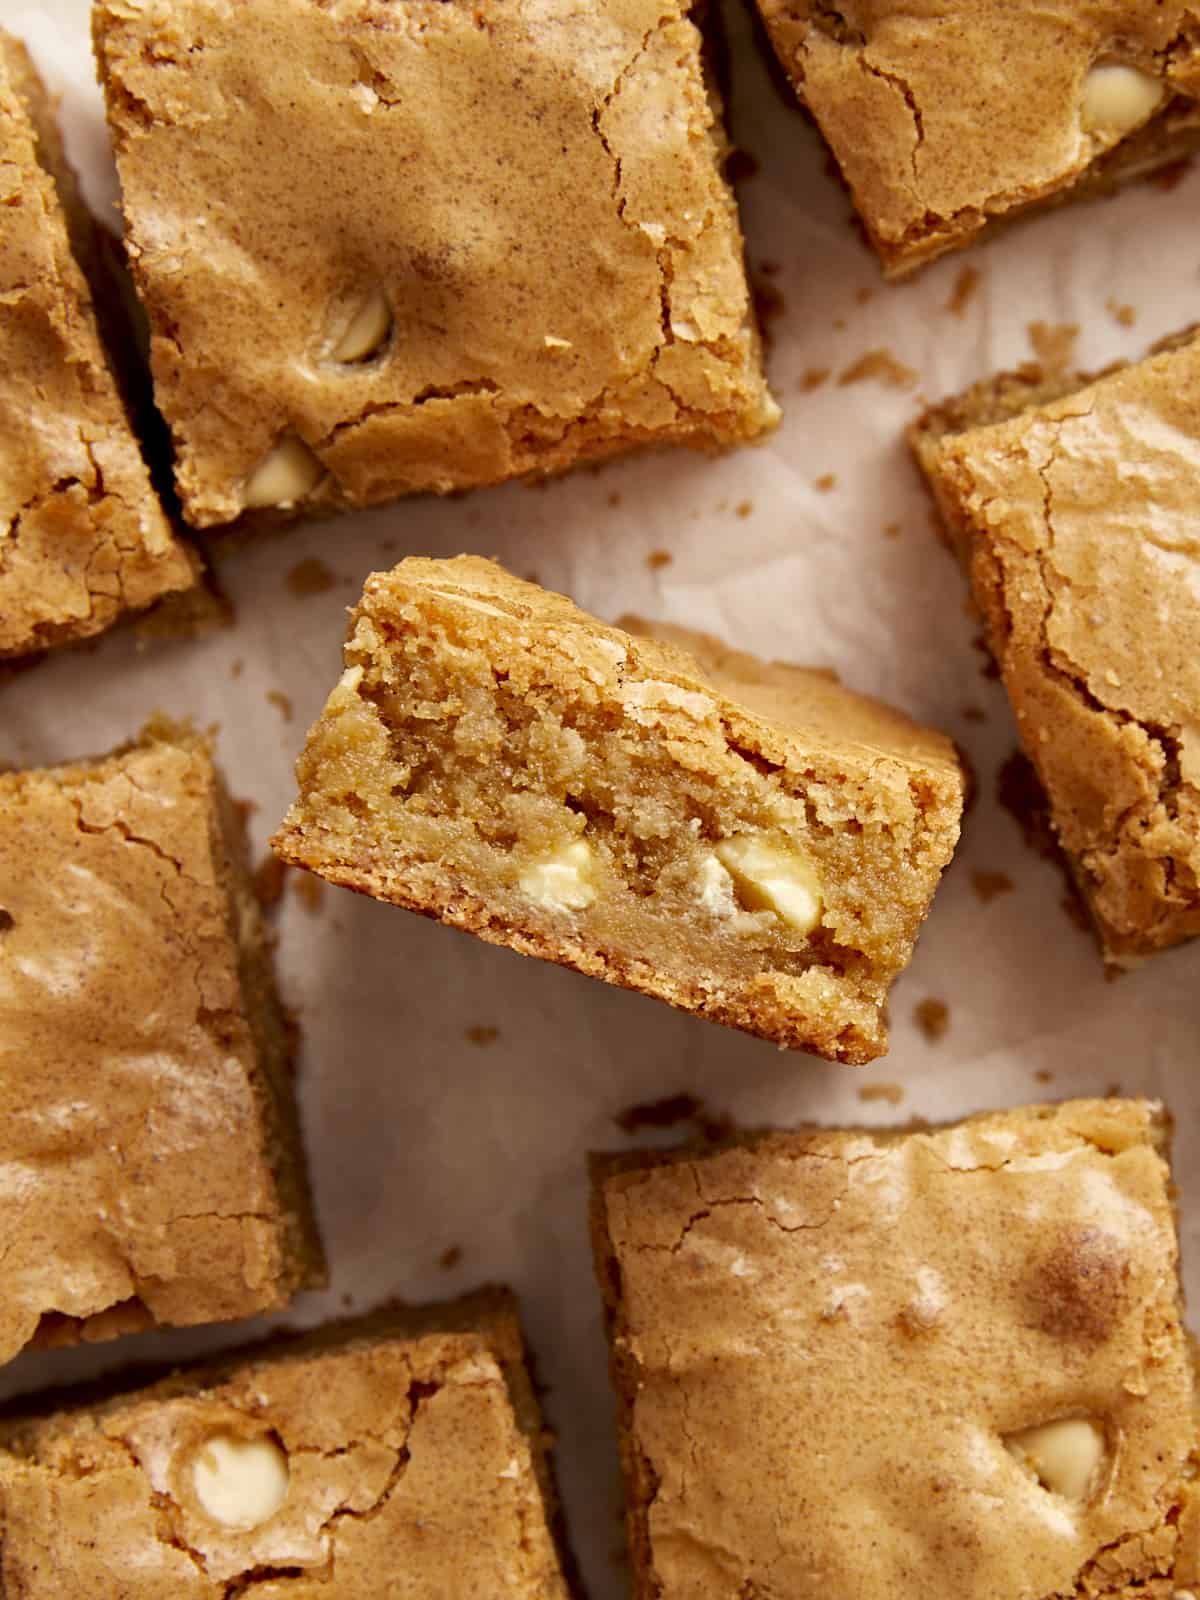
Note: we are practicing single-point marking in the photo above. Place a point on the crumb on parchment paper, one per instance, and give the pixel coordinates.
(933, 1018)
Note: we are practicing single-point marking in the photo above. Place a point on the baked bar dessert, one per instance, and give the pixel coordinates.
(450, 244)
(83, 537)
(937, 1362)
(1072, 506)
(399, 1455)
(150, 1162)
(750, 842)
(944, 119)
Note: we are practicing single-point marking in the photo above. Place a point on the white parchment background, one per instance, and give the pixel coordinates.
(421, 1140)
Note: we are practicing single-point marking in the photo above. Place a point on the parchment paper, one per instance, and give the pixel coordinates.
(423, 1141)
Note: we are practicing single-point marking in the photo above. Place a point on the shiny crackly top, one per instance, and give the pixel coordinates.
(407, 1476)
(532, 187)
(943, 116)
(82, 536)
(1078, 521)
(833, 1336)
(132, 1159)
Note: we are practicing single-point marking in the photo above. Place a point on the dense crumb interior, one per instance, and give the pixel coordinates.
(467, 747)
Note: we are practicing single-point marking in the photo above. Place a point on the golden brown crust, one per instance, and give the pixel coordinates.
(483, 725)
(564, 274)
(82, 535)
(1074, 517)
(945, 120)
(805, 1412)
(415, 1456)
(155, 1170)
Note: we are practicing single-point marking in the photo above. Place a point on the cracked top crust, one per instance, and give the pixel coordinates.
(531, 190)
(413, 1462)
(82, 535)
(149, 1169)
(823, 1340)
(1076, 520)
(943, 118)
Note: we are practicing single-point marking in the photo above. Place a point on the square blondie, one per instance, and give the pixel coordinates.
(945, 119)
(83, 538)
(402, 1454)
(748, 841)
(150, 1157)
(423, 246)
(927, 1362)
(1072, 505)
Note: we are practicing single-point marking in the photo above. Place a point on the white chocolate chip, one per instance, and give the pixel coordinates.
(1064, 1456)
(1118, 99)
(716, 888)
(240, 1483)
(471, 603)
(553, 342)
(287, 472)
(770, 874)
(366, 330)
(560, 881)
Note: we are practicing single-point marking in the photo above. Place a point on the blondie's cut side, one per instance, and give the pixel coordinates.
(83, 538)
(924, 1362)
(750, 842)
(1072, 505)
(402, 1454)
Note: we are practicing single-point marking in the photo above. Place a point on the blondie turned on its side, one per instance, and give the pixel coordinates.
(150, 1162)
(1072, 505)
(401, 1455)
(424, 246)
(947, 118)
(750, 842)
(83, 538)
(947, 1362)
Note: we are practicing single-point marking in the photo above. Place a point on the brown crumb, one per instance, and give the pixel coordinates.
(839, 324)
(740, 165)
(1172, 175)
(933, 1018)
(450, 1258)
(481, 1033)
(267, 881)
(659, 558)
(1043, 1075)
(825, 482)
(768, 305)
(347, 1301)
(309, 890)
(879, 366)
(988, 885)
(744, 507)
(1053, 344)
(238, 667)
(771, 269)
(672, 1110)
(863, 295)
(311, 576)
(893, 1093)
(974, 714)
(891, 530)
(1123, 314)
(614, 497)
(963, 292)
(281, 702)
(813, 378)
